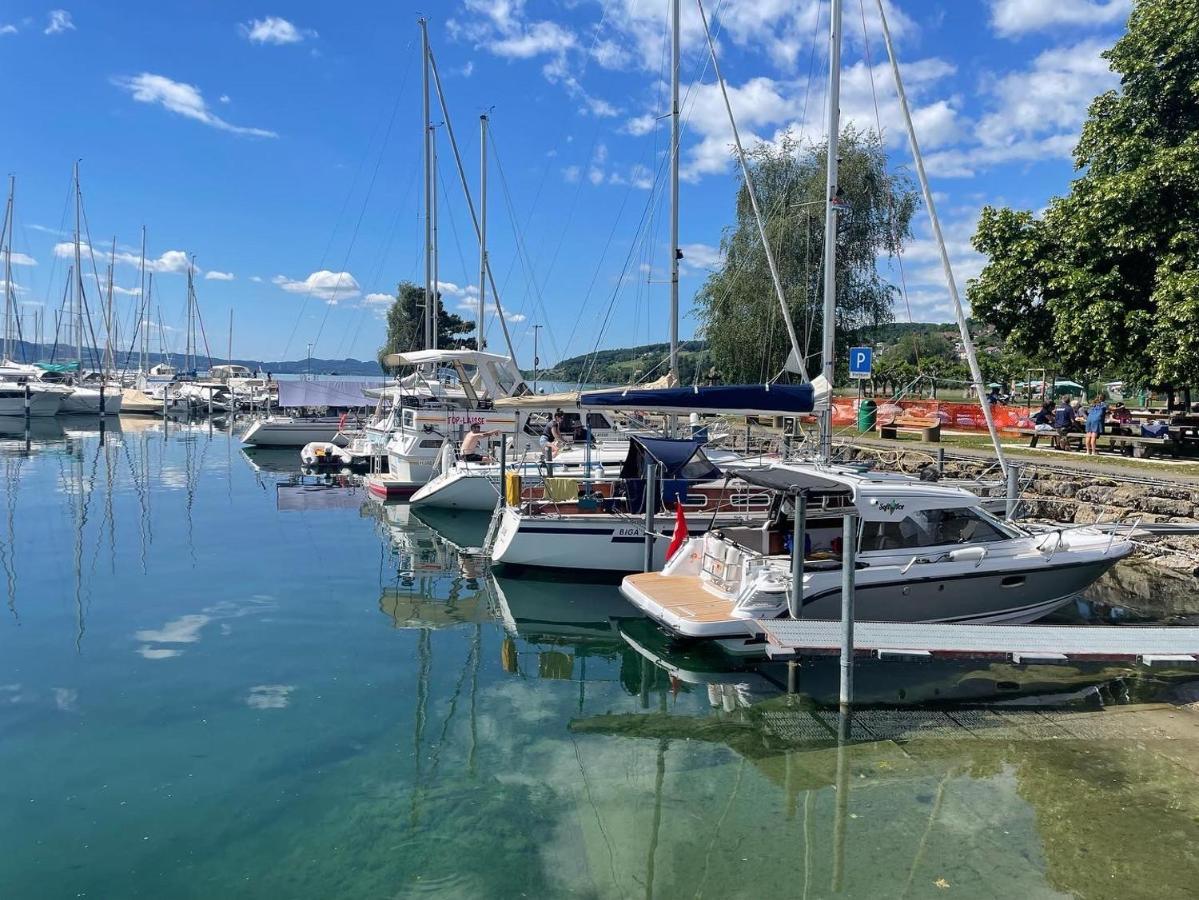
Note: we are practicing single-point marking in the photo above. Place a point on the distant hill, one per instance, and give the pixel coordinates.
(34, 353)
(627, 364)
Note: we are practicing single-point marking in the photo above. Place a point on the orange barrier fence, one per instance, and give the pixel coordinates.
(960, 416)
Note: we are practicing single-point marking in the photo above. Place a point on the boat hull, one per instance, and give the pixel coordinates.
(85, 401)
(274, 433)
(41, 403)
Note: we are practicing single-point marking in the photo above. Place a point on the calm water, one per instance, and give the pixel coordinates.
(214, 687)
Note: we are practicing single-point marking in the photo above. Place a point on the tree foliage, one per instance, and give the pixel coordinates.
(738, 306)
(1108, 278)
(406, 323)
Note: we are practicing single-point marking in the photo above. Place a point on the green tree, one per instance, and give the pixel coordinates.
(742, 322)
(1108, 278)
(406, 323)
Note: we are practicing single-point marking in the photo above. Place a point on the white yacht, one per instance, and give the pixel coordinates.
(44, 399)
(925, 553)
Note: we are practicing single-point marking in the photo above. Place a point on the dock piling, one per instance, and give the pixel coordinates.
(849, 540)
(798, 540)
(651, 486)
(1013, 492)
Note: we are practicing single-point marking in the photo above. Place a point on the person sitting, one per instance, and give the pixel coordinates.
(1121, 415)
(1095, 418)
(1063, 421)
(472, 443)
(1044, 415)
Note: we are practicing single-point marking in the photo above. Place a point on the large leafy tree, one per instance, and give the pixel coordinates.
(406, 323)
(738, 306)
(1108, 278)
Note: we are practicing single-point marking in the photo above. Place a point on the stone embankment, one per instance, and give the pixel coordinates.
(1076, 496)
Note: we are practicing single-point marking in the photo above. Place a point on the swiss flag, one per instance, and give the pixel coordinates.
(680, 531)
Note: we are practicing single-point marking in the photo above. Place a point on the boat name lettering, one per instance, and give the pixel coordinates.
(890, 506)
(465, 420)
(628, 531)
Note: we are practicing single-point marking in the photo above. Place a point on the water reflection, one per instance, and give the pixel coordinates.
(328, 696)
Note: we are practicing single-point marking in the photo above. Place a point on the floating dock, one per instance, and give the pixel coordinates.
(1149, 644)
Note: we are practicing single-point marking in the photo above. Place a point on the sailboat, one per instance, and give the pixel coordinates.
(926, 552)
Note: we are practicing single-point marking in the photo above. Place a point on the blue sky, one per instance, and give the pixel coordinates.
(280, 144)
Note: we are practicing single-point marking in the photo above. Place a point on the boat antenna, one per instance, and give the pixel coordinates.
(959, 313)
(795, 362)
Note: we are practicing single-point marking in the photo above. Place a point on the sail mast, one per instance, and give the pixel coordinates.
(6, 234)
(435, 296)
(426, 129)
(77, 311)
(674, 191)
(480, 306)
(142, 308)
(828, 362)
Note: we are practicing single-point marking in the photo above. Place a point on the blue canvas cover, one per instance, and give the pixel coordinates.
(680, 463)
(731, 399)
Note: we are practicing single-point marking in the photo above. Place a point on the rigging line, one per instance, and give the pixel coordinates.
(350, 192)
(470, 203)
(332, 301)
(521, 250)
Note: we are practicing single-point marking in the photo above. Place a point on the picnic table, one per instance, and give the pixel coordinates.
(1121, 440)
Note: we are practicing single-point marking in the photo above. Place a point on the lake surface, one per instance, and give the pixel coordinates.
(213, 686)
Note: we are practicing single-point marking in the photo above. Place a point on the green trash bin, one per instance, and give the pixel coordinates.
(867, 415)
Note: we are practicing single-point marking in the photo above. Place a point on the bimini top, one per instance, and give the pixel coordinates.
(879, 496)
(730, 399)
(678, 459)
(417, 357)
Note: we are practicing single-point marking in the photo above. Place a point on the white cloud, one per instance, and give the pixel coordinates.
(571, 174)
(8, 29)
(328, 286)
(515, 317)
(274, 30)
(182, 99)
(224, 98)
(172, 261)
(218, 276)
(257, 279)
(22, 259)
(467, 70)
(378, 299)
(640, 125)
(1035, 113)
(1011, 18)
(701, 257)
(59, 21)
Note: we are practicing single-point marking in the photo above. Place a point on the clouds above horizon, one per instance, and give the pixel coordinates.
(274, 30)
(182, 99)
(59, 21)
(332, 287)
(1013, 18)
(170, 261)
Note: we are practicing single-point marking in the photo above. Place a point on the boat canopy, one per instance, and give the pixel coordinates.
(678, 458)
(302, 392)
(730, 399)
(789, 480)
(419, 357)
(58, 367)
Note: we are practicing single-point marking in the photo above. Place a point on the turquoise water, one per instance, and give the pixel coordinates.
(211, 686)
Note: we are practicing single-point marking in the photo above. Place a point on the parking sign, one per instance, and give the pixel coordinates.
(860, 360)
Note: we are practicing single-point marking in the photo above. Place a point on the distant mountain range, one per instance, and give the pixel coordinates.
(45, 353)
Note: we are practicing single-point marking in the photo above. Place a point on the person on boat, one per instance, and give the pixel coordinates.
(1095, 418)
(551, 438)
(474, 442)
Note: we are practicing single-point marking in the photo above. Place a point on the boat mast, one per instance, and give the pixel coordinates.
(6, 235)
(435, 296)
(108, 318)
(674, 191)
(77, 311)
(480, 306)
(230, 358)
(190, 338)
(828, 363)
(143, 309)
(427, 129)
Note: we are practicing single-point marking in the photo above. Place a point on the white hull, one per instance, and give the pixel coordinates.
(41, 402)
(86, 401)
(597, 542)
(289, 433)
(459, 489)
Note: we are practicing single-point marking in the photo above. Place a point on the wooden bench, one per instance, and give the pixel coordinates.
(1127, 444)
(928, 428)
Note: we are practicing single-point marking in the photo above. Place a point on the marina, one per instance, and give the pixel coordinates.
(596, 518)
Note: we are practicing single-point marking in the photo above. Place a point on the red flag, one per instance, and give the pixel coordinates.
(680, 530)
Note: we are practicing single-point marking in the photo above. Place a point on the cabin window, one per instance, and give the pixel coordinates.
(932, 528)
(598, 422)
(430, 443)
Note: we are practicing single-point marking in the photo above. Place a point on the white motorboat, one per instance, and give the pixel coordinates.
(86, 400)
(295, 431)
(44, 399)
(925, 553)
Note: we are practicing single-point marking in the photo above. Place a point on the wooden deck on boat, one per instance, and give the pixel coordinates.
(684, 596)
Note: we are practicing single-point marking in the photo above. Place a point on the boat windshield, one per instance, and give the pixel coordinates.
(935, 528)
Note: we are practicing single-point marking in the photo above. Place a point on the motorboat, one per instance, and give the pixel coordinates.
(44, 399)
(925, 552)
